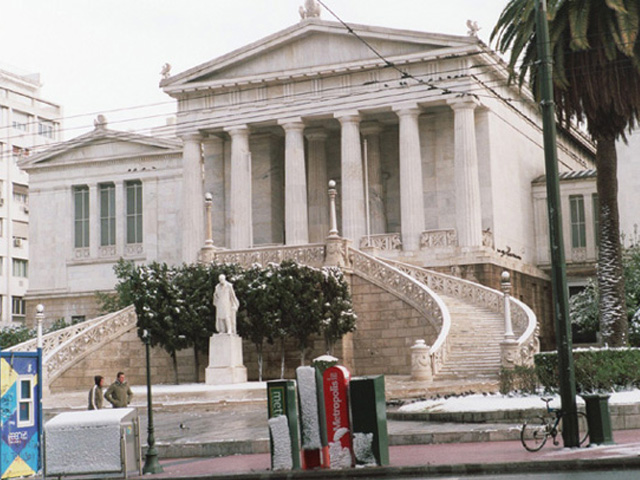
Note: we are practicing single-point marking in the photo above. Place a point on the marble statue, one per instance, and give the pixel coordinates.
(473, 28)
(165, 72)
(311, 9)
(226, 303)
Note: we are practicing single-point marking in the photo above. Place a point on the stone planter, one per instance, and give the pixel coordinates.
(598, 418)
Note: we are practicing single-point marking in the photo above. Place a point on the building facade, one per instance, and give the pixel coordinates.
(28, 124)
(433, 153)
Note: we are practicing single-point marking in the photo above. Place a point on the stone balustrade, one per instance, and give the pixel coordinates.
(311, 255)
(411, 291)
(64, 348)
(438, 238)
(382, 241)
(524, 321)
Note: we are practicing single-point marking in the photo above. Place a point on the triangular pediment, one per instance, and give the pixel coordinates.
(101, 144)
(312, 45)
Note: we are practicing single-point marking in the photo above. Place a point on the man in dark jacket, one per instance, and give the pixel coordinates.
(119, 394)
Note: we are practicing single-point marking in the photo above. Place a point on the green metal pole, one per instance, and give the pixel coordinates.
(558, 265)
(151, 463)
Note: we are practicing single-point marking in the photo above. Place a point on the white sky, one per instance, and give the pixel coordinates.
(96, 56)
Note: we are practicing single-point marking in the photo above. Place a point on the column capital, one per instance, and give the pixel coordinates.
(407, 109)
(191, 137)
(462, 103)
(294, 123)
(351, 116)
(371, 128)
(237, 130)
(316, 133)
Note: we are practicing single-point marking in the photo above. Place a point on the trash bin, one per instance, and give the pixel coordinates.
(93, 441)
(599, 419)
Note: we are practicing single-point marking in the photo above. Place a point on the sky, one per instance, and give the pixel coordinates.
(105, 56)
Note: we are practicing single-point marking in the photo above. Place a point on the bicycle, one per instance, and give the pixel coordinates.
(536, 431)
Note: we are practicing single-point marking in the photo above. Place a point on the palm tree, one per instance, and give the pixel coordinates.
(596, 76)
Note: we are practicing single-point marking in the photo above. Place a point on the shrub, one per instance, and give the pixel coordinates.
(597, 370)
(520, 379)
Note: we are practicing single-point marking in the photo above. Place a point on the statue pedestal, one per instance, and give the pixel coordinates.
(225, 360)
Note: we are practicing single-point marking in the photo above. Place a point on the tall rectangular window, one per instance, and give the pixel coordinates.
(26, 403)
(20, 268)
(20, 121)
(578, 230)
(107, 214)
(45, 128)
(596, 218)
(17, 309)
(134, 211)
(81, 216)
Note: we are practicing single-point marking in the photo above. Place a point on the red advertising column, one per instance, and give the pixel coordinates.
(336, 403)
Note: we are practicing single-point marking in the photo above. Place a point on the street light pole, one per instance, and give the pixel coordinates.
(558, 267)
(151, 463)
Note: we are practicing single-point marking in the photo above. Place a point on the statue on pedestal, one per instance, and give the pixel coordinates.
(226, 303)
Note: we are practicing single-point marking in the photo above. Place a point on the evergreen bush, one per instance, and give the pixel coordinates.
(597, 370)
(520, 379)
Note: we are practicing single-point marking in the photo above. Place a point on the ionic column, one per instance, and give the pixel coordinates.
(411, 188)
(371, 133)
(192, 192)
(240, 219)
(296, 222)
(214, 183)
(352, 194)
(468, 211)
(317, 175)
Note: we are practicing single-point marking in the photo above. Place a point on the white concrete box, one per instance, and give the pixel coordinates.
(93, 441)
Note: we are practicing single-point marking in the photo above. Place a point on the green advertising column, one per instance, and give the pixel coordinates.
(283, 424)
(369, 420)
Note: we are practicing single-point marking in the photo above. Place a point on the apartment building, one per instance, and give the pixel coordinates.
(28, 124)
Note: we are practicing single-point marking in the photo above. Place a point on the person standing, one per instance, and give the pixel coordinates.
(119, 394)
(96, 399)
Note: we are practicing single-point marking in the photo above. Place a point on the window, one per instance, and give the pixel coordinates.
(596, 218)
(81, 216)
(21, 193)
(19, 152)
(17, 309)
(107, 214)
(20, 268)
(20, 121)
(134, 211)
(578, 232)
(25, 401)
(45, 128)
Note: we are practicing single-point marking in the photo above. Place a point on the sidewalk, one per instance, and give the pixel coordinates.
(441, 459)
(222, 432)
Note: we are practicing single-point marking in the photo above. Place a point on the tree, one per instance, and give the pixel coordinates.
(258, 310)
(596, 56)
(338, 317)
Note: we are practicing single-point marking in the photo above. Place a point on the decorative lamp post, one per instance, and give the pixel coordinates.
(151, 464)
(208, 202)
(505, 282)
(39, 319)
(333, 221)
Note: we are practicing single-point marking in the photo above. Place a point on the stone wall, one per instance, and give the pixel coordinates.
(127, 354)
(386, 329)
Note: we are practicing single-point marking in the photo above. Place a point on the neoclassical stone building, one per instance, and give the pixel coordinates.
(435, 159)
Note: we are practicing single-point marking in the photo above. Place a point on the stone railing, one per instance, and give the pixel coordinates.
(382, 241)
(438, 238)
(64, 348)
(311, 255)
(413, 292)
(523, 319)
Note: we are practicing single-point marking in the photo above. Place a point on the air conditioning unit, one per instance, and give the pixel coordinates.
(25, 209)
(17, 242)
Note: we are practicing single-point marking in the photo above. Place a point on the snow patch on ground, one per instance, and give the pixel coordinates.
(489, 403)
(281, 454)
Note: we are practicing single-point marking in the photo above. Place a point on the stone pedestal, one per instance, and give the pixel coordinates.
(225, 360)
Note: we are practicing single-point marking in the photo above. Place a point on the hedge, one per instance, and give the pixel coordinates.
(597, 370)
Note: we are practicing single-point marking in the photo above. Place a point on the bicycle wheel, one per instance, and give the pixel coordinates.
(583, 428)
(534, 434)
